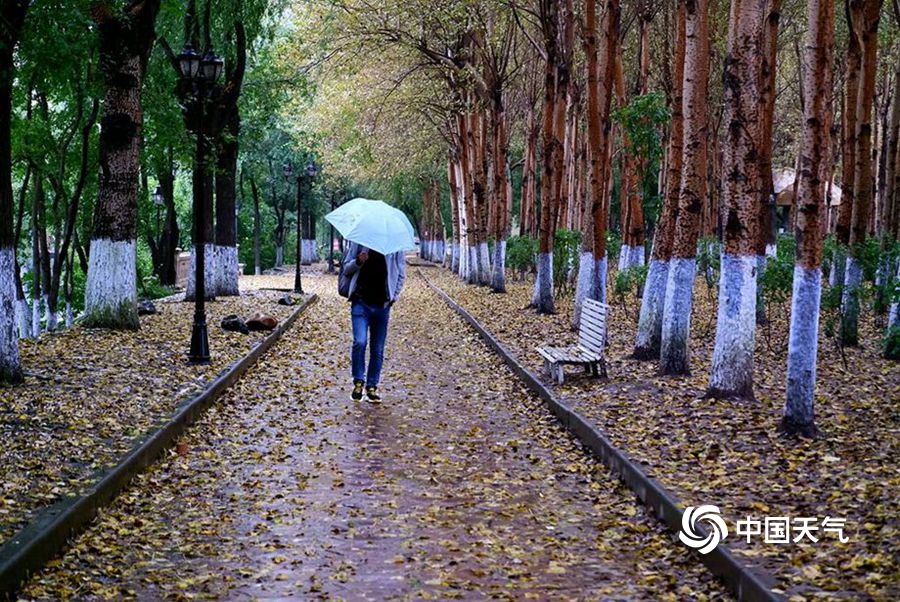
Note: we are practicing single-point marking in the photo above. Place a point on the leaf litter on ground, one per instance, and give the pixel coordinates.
(710, 451)
(459, 485)
(89, 395)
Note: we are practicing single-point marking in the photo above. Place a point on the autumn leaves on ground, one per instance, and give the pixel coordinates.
(460, 485)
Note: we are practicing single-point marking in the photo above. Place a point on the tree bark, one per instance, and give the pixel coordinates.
(798, 417)
(865, 15)
(649, 332)
(732, 365)
(126, 38)
(692, 196)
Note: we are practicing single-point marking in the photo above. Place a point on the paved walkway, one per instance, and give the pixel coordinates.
(459, 486)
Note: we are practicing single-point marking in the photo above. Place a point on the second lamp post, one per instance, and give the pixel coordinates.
(311, 170)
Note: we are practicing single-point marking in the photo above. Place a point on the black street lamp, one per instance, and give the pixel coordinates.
(202, 73)
(158, 200)
(311, 170)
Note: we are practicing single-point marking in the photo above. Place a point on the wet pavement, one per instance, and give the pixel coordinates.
(460, 485)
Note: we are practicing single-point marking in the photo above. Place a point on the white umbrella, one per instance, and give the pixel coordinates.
(373, 224)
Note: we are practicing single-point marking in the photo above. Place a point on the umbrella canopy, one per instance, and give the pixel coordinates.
(783, 183)
(373, 224)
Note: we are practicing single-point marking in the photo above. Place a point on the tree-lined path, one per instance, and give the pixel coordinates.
(459, 486)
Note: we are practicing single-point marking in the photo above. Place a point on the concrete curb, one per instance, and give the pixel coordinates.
(48, 533)
(745, 583)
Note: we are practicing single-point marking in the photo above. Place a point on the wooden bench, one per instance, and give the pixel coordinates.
(589, 350)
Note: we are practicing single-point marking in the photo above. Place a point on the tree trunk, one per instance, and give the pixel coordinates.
(891, 156)
(13, 14)
(527, 221)
(865, 17)
(848, 130)
(500, 162)
(257, 227)
(454, 213)
(732, 365)
(798, 416)
(767, 238)
(649, 332)
(125, 42)
(226, 214)
(692, 196)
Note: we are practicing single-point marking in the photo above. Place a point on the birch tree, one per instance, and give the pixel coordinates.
(799, 416)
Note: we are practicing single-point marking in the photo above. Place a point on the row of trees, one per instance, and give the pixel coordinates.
(550, 76)
(81, 193)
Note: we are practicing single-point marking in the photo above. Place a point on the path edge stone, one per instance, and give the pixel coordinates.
(744, 582)
(50, 530)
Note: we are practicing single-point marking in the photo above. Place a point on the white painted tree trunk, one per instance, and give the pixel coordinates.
(543, 284)
(624, 257)
(674, 352)
(454, 258)
(227, 269)
(732, 363)
(51, 318)
(850, 302)
(484, 264)
(70, 314)
(802, 351)
(472, 267)
(111, 292)
(894, 313)
(637, 256)
(23, 316)
(498, 267)
(838, 265)
(209, 274)
(583, 285)
(279, 256)
(601, 272)
(36, 328)
(308, 252)
(649, 331)
(10, 362)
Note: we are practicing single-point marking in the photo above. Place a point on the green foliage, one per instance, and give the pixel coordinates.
(566, 255)
(613, 246)
(521, 252)
(777, 280)
(148, 282)
(629, 284)
(644, 120)
(890, 344)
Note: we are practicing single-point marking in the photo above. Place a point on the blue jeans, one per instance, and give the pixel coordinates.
(368, 319)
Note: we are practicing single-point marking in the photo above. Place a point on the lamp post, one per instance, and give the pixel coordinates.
(310, 172)
(202, 73)
(158, 200)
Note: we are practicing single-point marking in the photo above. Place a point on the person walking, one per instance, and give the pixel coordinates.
(375, 282)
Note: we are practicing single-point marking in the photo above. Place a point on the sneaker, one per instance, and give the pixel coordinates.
(372, 394)
(356, 395)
